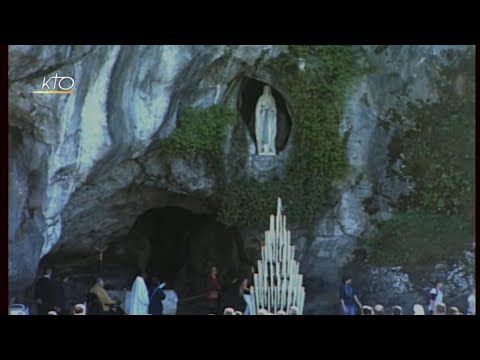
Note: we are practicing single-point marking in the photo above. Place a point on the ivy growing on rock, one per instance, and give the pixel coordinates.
(436, 222)
(200, 132)
(317, 95)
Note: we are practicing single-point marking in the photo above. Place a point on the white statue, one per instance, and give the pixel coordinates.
(266, 123)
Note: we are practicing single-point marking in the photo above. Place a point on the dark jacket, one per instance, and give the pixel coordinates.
(44, 289)
(156, 306)
(60, 295)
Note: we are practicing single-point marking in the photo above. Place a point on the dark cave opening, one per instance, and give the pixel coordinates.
(180, 246)
(250, 91)
(174, 243)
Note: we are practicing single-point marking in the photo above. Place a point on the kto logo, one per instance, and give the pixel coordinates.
(56, 85)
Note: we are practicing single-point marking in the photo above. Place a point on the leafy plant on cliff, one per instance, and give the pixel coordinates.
(415, 238)
(435, 223)
(200, 132)
(317, 95)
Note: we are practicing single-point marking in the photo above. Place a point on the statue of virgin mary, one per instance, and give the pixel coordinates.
(266, 123)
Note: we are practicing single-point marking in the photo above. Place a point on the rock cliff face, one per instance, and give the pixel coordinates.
(83, 167)
(402, 74)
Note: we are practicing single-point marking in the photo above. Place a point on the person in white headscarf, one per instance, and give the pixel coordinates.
(418, 309)
(140, 299)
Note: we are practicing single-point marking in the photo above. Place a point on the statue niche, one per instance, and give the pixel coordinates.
(266, 123)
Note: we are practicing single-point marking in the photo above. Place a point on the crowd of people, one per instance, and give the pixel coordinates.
(434, 305)
(293, 310)
(51, 295)
(52, 299)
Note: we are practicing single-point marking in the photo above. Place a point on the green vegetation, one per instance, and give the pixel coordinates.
(436, 223)
(200, 132)
(416, 238)
(317, 95)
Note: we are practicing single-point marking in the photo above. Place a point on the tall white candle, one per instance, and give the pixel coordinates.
(273, 247)
(274, 293)
(271, 274)
(268, 253)
(259, 297)
(277, 240)
(254, 303)
(265, 259)
(254, 290)
(269, 299)
(302, 300)
(280, 263)
(265, 273)
(258, 289)
(277, 224)
(280, 295)
(294, 300)
(290, 289)
(276, 248)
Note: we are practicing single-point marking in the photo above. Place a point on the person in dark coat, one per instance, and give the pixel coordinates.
(153, 286)
(158, 295)
(44, 293)
(60, 296)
